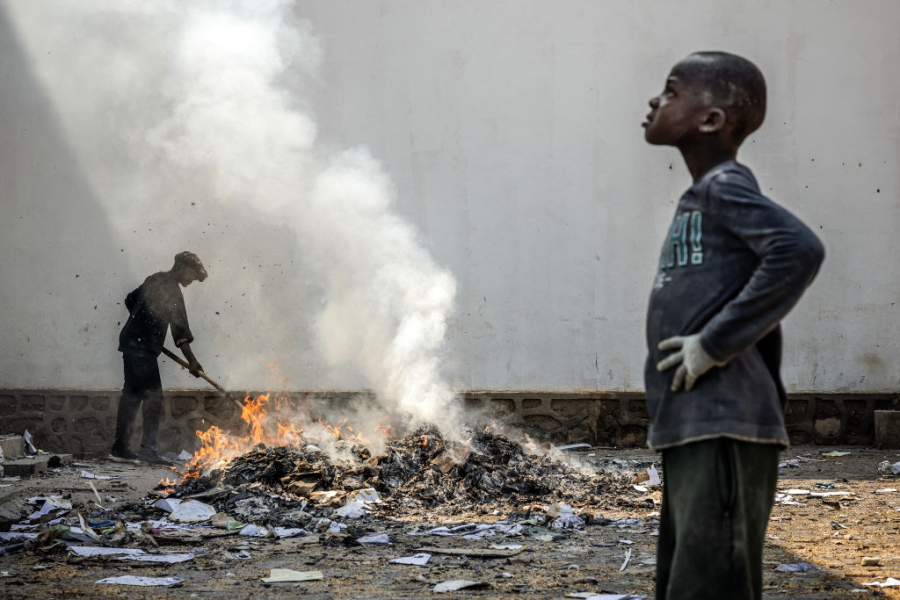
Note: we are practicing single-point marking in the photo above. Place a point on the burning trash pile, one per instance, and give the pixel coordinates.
(285, 477)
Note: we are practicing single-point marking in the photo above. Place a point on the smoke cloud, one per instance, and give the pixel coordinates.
(192, 123)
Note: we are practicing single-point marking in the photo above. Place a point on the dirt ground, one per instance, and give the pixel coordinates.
(833, 534)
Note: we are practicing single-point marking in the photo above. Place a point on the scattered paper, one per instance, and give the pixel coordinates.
(506, 546)
(796, 568)
(185, 455)
(192, 511)
(885, 490)
(654, 476)
(353, 510)
(460, 584)
(792, 463)
(167, 504)
(160, 558)
(416, 559)
(141, 581)
(27, 437)
(103, 551)
(378, 538)
(890, 582)
(289, 532)
(627, 558)
(288, 576)
(573, 446)
(364, 495)
(242, 555)
(89, 475)
(835, 453)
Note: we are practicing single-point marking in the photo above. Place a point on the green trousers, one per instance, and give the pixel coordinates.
(717, 496)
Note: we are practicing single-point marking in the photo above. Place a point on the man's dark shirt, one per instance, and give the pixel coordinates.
(732, 266)
(155, 305)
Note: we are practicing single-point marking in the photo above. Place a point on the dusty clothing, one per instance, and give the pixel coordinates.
(153, 307)
(732, 266)
(716, 503)
(142, 389)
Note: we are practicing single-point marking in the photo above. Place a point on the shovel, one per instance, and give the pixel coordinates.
(184, 364)
(209, 379)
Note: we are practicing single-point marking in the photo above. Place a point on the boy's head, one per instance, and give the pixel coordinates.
(188, 268)
(709, 98)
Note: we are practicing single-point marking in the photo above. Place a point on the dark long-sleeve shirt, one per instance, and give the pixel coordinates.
(733, 265)
(153, 307)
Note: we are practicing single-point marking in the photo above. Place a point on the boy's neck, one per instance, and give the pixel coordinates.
(701, 159)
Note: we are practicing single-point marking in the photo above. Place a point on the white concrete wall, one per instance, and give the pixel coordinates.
(511, 131)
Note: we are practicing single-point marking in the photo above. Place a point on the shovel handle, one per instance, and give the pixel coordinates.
(184, 364)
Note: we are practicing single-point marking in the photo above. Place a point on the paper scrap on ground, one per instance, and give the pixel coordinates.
(459, 584)
(654, 476)
(416, 559)
(573, 446)
(627, 558)
(103, 551)
(289, 532)
(160, 558)
(27, 437)
(506, 546)
(192, 511)
(167, 504)
(185, 455)
(593, 596)
(377, 538)
(835, 453)
(353, 510)
(141, 581)
(289, 576)
(796, 568)
(891, 582)
(885, 490)
(89, 475)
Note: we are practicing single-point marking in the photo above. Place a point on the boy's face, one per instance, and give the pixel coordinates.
(677, 113)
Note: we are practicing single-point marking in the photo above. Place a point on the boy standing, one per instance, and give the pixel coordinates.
(152, 307)
(732, 266)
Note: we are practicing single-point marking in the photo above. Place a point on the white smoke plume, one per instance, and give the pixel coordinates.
(172, 104)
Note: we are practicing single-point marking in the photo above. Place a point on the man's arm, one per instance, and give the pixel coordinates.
(195, 367)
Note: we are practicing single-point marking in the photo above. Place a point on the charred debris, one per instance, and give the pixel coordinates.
(419, 476)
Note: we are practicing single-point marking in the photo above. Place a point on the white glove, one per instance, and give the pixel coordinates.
(691, 358)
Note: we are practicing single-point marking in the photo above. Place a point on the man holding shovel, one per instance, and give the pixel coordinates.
(153, 307)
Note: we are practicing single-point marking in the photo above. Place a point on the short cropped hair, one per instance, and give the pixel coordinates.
(734, 83)
(190, 261)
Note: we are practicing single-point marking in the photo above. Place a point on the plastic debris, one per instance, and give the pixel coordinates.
(796, 568)
(835, 453)
(416, 559)
(185, 455)
(192, 511)
(792, 463)
(460, 584)
(565, 517)
(141, 581)
(289, 532)
(885, 490)
(506, 546)
(654, 476)
(103, 551)
(364, 495)
(890, 582)
(289, 576)
(378, 538)
(242, 555)
(824, 485)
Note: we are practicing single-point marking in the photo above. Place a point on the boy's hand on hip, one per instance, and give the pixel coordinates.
(691, 359)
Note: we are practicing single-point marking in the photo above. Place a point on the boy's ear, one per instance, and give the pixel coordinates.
(713, 121)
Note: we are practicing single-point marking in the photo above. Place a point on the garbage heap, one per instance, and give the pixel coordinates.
(420, 475)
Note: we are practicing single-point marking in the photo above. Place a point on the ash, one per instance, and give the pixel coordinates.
(420, 475)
